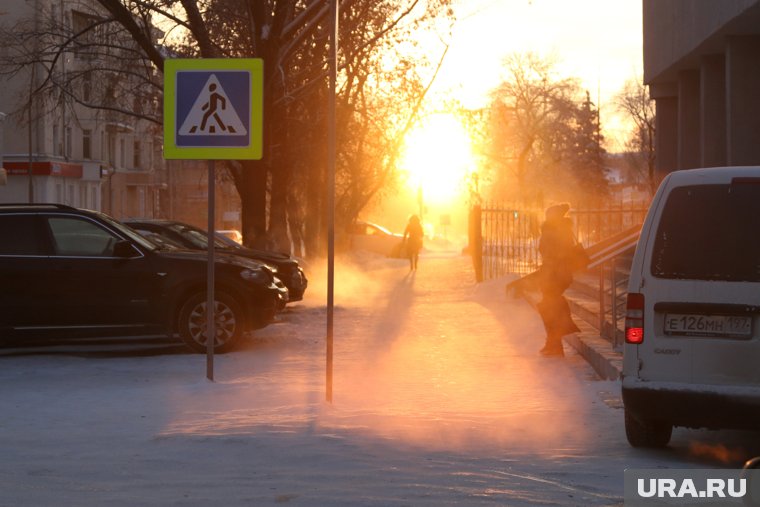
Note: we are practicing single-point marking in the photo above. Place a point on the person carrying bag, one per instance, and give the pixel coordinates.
(561, 256)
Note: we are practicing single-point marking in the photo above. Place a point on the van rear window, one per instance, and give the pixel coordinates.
(709, 232)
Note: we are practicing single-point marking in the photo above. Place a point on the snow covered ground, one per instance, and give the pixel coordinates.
(440, 399)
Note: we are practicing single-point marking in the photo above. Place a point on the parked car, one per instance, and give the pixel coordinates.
(232, 234)
(69, 271)
(194, 238)
(375, 238)
(692, 338)
(166, 243)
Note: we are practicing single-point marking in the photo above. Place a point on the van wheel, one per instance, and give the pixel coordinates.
(228, 322)
(647, 433)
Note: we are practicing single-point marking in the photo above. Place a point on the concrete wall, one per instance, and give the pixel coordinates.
(702, 65)
(674, 29)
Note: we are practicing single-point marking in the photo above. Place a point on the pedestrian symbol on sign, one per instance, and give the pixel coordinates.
(212, 113)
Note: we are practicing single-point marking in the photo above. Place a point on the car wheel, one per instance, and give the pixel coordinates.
(227, 316)
(647, 433)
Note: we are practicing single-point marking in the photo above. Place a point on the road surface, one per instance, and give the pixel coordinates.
(440, 399)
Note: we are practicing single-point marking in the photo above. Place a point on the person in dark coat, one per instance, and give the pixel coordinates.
(413, 239)
(555, 276)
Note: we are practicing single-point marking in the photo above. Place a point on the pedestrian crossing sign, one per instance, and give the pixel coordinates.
(213, 108)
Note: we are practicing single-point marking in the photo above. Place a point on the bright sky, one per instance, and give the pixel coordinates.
(597, 41)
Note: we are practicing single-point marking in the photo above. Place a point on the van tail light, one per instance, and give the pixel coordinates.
(634, 319)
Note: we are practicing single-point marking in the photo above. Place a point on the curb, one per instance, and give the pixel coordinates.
(597, 351)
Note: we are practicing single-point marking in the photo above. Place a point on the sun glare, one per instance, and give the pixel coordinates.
(437, 159)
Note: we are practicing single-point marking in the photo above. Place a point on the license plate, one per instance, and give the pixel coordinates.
(708, 325)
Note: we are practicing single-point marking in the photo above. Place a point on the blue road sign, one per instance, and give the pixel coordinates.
(213, 109)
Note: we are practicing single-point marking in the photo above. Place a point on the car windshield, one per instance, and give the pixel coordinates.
(160, 240)
(227, 242)
(709, 232)
(130, 233)
(198, 237)
(381, 229)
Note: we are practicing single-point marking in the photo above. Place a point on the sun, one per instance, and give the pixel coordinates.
(437, 158)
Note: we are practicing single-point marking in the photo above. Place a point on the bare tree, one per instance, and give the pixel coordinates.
(282, 192)
(88, 61)
(543, 133)
(634, 102)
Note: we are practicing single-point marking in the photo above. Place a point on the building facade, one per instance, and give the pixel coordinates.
(702, 66)
(54, 148)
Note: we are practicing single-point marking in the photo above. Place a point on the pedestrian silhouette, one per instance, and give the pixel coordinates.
(212, 106)
(413, 239)
(555, 276)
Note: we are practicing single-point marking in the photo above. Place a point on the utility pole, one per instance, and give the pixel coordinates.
(32, 80)
(331, 147)
(3, 174)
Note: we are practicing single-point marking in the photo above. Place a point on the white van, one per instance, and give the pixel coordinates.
(692, 337)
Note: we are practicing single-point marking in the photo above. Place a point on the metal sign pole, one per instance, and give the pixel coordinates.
(331, 144)
(210, 314)
(195, 128)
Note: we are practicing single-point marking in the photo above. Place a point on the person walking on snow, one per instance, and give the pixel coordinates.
(555, 276)
(413, 239)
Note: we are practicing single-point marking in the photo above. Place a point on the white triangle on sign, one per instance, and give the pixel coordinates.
(212, 113)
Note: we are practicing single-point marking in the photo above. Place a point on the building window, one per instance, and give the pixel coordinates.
(111, 142)
(87, 144)
(56, 140)
(86, 87)
(85, 24)
(149, 150)
(136, 162)
(122, 153)
(68, 142)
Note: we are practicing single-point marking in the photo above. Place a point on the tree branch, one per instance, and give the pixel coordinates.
(140, 36)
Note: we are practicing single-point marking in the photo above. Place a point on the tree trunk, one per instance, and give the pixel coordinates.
(253, 199)
(316, 217)
(278, 224)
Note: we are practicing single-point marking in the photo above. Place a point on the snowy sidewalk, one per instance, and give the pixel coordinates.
(440, 398)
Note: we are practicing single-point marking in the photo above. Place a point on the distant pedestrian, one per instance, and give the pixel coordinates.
(555, 276)
(413, 240)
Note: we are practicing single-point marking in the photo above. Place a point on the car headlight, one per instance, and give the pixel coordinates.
(255, 275)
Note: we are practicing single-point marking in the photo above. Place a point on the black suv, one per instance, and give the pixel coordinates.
(69, 271)
(193, 238)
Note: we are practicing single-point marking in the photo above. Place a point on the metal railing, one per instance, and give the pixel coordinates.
(613, 287)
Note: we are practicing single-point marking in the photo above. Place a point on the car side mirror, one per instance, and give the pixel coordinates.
(125, 250)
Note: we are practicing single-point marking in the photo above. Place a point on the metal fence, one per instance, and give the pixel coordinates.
(509, 236)
(595, 225)
(509, 240)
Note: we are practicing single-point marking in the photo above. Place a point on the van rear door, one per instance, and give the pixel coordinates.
(703, 286)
